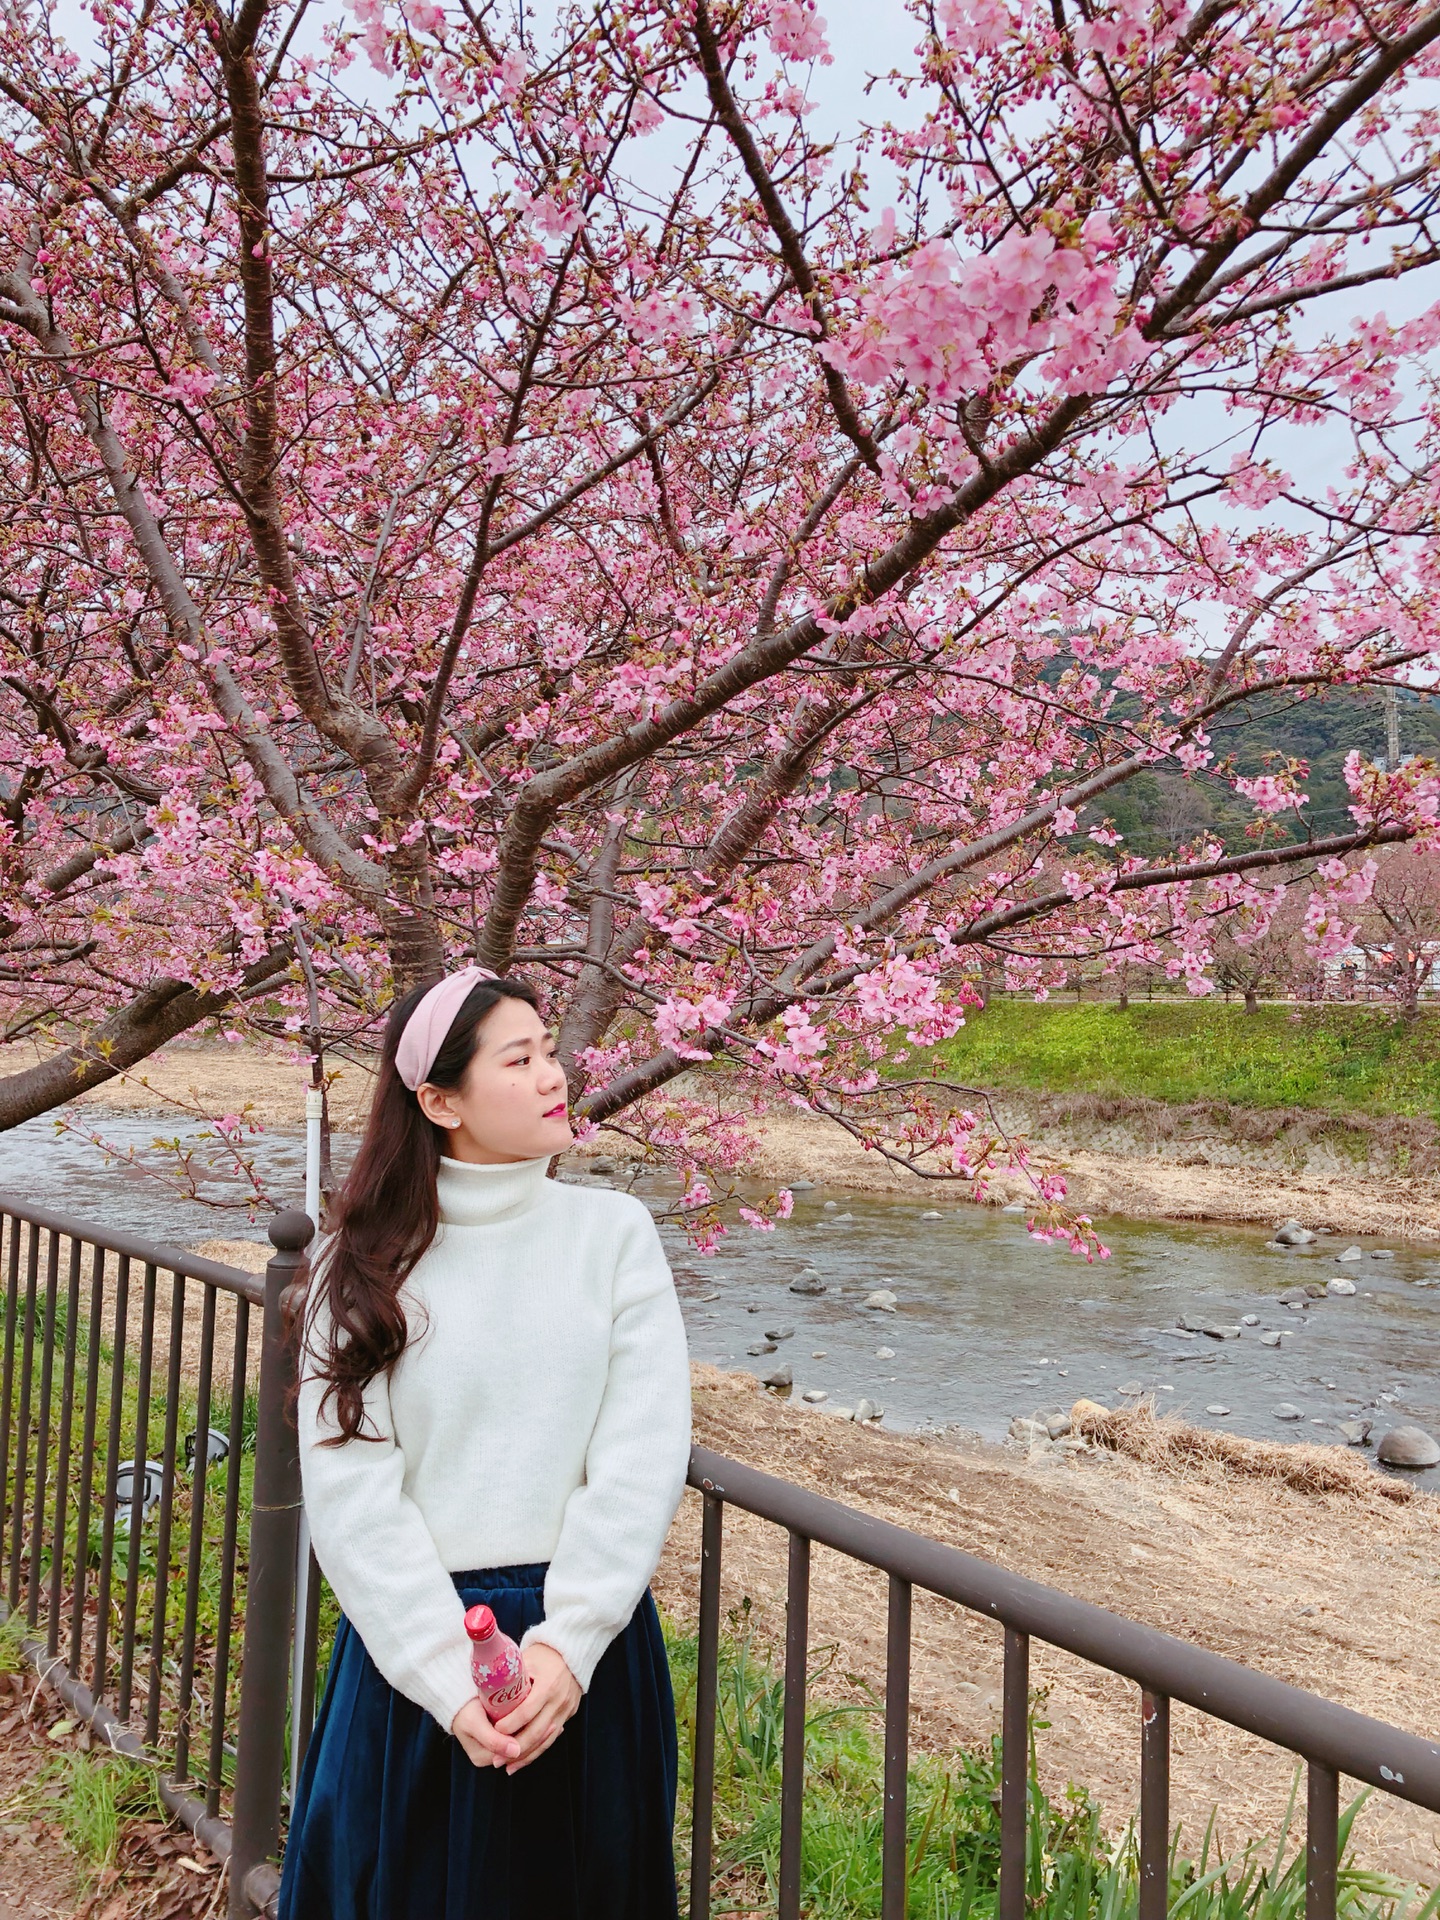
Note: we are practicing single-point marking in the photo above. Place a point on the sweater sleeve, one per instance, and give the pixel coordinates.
(616, 1520)
(377, 1552)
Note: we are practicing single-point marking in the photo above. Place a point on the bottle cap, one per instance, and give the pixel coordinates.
(479, 1622)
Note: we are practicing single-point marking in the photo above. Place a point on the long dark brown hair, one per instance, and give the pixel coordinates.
(386, 1214)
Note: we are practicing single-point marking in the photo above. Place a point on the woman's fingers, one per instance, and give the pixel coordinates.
(483, 1742)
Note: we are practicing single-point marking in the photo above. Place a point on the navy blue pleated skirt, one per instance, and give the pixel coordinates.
(392, 1822)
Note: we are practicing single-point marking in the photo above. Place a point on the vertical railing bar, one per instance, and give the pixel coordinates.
(895, 1861)
(309, 1661)
(195, 1558)
(167, 1511)
(86, 1473)
(7, 1389)
(42, 1431)
(138, 1484)
(792, 1759)
(707, 1688)
(1154, 1805)
(221, 1690)
(62, 1449)
(121, 1333)
(22, 1424)
(1322, 1840)
(1014, 1774)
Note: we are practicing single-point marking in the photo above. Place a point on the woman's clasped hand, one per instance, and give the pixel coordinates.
(534, 1725)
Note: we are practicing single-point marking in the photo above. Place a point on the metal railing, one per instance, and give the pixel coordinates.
(1330, 1739)
(150, 1499)
(150, 1491)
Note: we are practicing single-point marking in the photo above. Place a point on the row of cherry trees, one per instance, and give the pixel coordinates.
(474, 491)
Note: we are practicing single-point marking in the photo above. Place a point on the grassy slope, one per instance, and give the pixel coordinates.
(1343, 1059)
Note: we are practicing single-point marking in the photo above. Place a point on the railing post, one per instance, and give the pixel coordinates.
(1322, 1842)
(1014, 1774)
(707, 1683)
(270, 1595)
(1154, 1805)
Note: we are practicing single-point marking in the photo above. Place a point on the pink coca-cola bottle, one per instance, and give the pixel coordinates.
(500, 1677)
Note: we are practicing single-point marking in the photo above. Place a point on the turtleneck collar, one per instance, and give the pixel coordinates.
(472, 1196)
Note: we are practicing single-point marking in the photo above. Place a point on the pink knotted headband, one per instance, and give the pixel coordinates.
(432, 1019)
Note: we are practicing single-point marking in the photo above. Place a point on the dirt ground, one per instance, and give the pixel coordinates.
(1337, 1592)
(217, 1079)
(160, 1873)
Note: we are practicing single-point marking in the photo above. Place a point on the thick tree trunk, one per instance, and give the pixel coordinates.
(1252, 1000)
(159, 1014)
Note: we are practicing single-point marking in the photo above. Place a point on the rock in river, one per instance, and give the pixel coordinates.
(780, 1333)
(1350, 1253)
(1292, 1234)
(1189, 1325)
(881, 1301)
(815, 1395)
(869, 1410)
(1270, 1339)
(1217, 1410)
(1408, 1447)
(761, 1346)
(1286, 1412)
(1355, 1432)
(781, 1378)
(884, 1353)
(809, 1282)
(1341, 1285)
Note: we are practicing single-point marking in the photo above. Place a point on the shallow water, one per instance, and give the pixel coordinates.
(990, 1323)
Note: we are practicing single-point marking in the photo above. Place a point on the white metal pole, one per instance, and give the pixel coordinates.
(314, 1112)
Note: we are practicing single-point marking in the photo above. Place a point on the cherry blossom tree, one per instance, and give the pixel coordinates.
(477, 490)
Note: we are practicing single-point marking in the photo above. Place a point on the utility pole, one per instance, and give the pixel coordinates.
(1392, 729)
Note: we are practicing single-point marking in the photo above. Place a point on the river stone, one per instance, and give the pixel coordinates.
(1355, 1432)
(881, 1301)
(1286, 1412)
(1217, 1410)
(1341, 1285)
(1408, 1447)
(841, 1413)
(1382, 1253)
(1316, 1289)
(1350, 1253)
(1132, 1386)
(780, 1378)
(1293, 1297)
(1188, 1325)
(706, 1298)
(884, 1353)
(1249, 1319)
(761, 1346)
(868, 1410)
(801, 1186)
(1057, 1425)
(815, 1395)
(1028, 1431)
(1292, 1234)
(830, 1205)
(808, 1283)
(820, 1353)
(1271, 1339)
(780, 1333)
(933, 1213)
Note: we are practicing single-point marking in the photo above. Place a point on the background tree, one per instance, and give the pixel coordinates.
(1399, 931)
(519, 494)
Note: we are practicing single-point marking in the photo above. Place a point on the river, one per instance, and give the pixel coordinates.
(988, 1324)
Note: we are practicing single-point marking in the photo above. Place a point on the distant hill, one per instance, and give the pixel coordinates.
(1158, 811)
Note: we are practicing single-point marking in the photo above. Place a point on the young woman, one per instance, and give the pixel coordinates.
(494, 1406)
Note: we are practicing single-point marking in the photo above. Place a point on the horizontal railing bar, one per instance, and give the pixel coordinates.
(1398, 1763)
(171, 1259)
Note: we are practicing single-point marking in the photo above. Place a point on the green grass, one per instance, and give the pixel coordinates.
(91, 1797)
(1337, 1059)
(1077, 1868)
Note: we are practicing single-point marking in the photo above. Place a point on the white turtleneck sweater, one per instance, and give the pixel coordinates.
(540, 1411)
